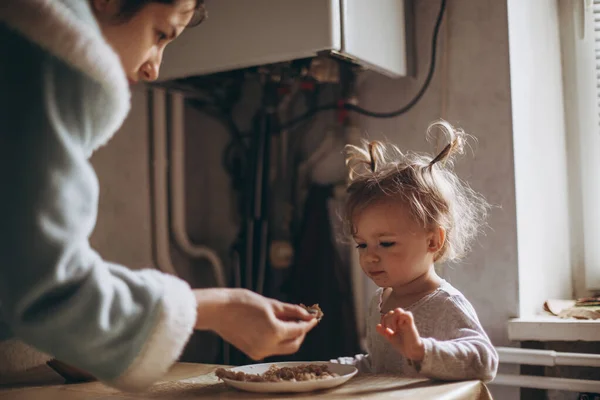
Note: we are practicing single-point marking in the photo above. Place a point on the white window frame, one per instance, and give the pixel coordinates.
(580, 80)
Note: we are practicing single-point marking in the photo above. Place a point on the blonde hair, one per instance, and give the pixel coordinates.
(428, 186)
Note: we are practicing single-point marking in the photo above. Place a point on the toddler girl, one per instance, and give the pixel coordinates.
(406, 213)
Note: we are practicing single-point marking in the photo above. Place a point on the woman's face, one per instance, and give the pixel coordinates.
(140, 40)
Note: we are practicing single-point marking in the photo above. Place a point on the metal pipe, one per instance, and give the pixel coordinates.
(162, 248)
(158, 124)
(548, 383)
(550, 358)
(177, 193)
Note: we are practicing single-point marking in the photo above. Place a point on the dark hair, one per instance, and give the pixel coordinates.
(130, 7)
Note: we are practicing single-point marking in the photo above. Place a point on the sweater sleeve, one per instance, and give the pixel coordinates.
(56, 293)
(466, 354)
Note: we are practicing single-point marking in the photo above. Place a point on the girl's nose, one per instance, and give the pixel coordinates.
(372, 257)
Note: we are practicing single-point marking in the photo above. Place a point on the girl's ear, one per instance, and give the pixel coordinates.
(437, 238)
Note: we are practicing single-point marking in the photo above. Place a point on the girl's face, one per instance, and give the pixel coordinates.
(141, 40)
(394, 249)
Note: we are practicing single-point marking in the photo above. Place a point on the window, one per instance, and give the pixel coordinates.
(580, 47)
(596, 16)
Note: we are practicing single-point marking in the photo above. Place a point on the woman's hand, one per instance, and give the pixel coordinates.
(256, 325)
(398, 327)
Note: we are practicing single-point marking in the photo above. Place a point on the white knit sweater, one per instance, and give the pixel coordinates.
(456, 346)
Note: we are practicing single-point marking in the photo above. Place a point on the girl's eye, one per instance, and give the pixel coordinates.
(387, 244)
(361, 246)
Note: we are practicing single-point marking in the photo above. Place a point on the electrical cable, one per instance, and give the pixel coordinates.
(391, 114)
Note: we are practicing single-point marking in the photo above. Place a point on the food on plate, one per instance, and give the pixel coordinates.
(308, 372)
(314, 309)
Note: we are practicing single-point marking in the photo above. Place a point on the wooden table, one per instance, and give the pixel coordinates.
(197, 381)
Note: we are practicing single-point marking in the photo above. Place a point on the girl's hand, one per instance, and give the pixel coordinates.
(398, 327)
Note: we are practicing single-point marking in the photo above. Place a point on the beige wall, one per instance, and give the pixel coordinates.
(123, 232)
(471, 89)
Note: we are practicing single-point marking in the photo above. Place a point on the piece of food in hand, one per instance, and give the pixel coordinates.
(308, 372)
(315, 310)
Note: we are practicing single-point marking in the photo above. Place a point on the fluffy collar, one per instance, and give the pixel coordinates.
(68, 30)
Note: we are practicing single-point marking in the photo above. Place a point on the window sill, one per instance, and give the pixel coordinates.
(553, 329)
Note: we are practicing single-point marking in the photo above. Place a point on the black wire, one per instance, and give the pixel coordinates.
(391, 114)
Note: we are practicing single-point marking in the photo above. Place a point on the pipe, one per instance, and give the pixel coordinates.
(158, 123)
(548, 383)
(162, 248)
(550, 358)
(177, 192)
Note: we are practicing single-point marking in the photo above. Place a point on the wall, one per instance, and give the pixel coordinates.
(471, 89)
(476, 97)
(123, 232)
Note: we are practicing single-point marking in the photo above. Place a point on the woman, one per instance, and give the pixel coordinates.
(65, 66)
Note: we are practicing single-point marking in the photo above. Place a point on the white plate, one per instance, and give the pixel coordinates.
(345, 372)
